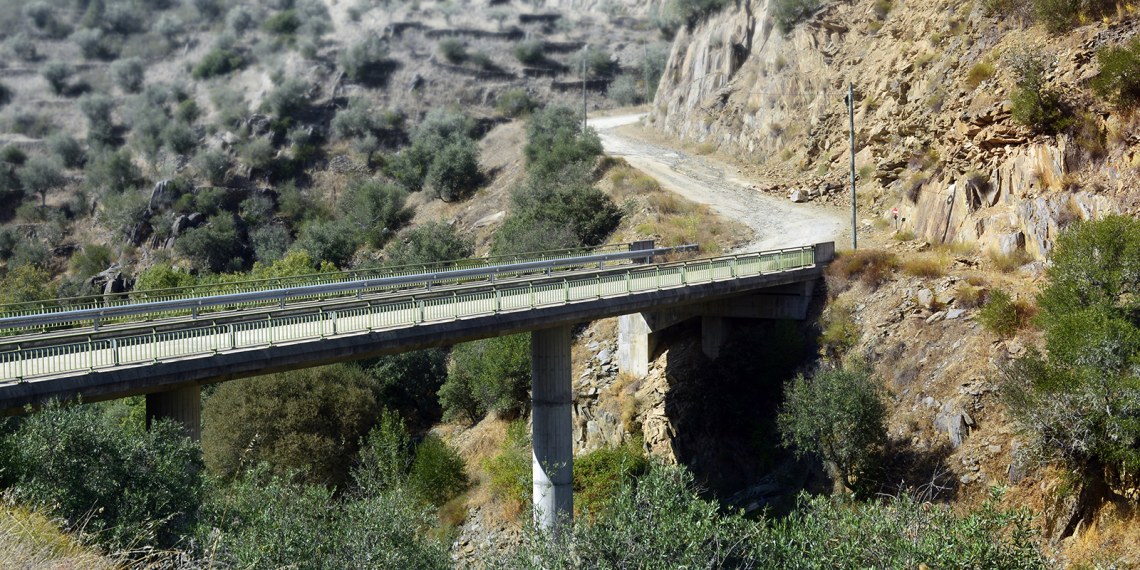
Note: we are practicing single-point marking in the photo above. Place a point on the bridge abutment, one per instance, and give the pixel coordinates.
(714, 333)
(183, 405)
(553, 458)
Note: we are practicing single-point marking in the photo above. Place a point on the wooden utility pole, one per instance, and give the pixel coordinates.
(851, 123)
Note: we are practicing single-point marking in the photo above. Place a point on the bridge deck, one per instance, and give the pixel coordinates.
(126, 361)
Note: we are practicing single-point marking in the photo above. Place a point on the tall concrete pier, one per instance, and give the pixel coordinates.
(183, 405)
(553, 459)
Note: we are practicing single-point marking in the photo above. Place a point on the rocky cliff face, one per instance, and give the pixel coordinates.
(940, 147)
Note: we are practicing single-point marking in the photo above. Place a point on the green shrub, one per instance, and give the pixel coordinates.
(90, 43)
(112, 172)
(311, 420)
(358, 120)
(1002, 315)
(530, 52)
(30, 253)
(239, 19)
(624, 91)
(122, 18)
(600, 474)
(374, 210)
(330, 241)
(123, 485)
(6, 95)
(13, 155)
(97, 108)
(212, 165)
(288, 98)
(57, 74)
(515, 103)
(1117, 81)
(68, 150)
(23, 47)
(429, 243)
(40, 13)
(91, 260)
(838, 415)
(491, 375)
(169, 28)
(128, 74)
(178, 138)
(231, 106)
(1034, 104)
(453, 50)
(41, 175)
(438, 473)
(282, 23)
(217, 62)
(557, 212)
(657, 522)
(455, 168)
(509, 470)
(269, 242)
(692, 11)
(555, 139)
(360, 60)
(213, 247)
(595, 58)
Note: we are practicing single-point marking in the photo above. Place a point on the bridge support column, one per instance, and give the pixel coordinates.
(183, 405)
(636, 342)
(553, 459)
(714, 333)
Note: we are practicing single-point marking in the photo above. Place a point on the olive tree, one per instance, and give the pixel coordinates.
(41, 175)
(839, 415)
(57, 74)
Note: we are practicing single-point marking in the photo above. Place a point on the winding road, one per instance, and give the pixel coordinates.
(775, 222)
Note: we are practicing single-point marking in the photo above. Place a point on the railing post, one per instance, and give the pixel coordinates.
(333, 316)
(733, 267)
(657, 271)
(270, 321)
(566, 291)
(115, 351)
(455, 304)
(20, 357)
(421, 311)
(90, 355)
(233, 337)
(498, 301)
(684, 278)
(154, 344)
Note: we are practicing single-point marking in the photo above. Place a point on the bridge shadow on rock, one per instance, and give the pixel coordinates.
(724, 410)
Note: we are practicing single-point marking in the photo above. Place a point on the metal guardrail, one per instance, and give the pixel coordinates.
(90, 354)
(193, 291)
(192, 306)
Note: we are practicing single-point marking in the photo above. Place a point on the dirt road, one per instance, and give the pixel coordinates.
(776, 222)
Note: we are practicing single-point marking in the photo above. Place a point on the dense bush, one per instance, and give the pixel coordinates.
(112, 172)
(555, 139)
(128, 74)
(438, 472)
(217, 62)
(90, 43)
(657, 522)
(331, 241)
(6, 95)
(122, 18)
(310, 420)
(359, 61)
(374, 210)
(455, 168)
(169, 28)
(13, 155)
(288, 98)
(215, 246)
(57, 74)
(97, 108)
(258, 153)
(269, 242)
(690, 11)
(25, 283)
(788, 13)
(41, 175)
(516, 103)
(624, 91)
(1034, 104)
(838, 415)
(530, 52)
(358, 120)
(600, 474)
(509, 470)
(123, 213)
(231, 106)
(429, 243)
(239, 19)
(178, 138)
(408, 382)
(557, 212)
(1080, 406)
(30, 253)
(595, 58)
(123, 485)
(40, 13)
(491, 375)
(1117, 81)
(212, 165)
(653, 66)
(22, 46)
(92, 259)
(68, 150)
(453, 50)
(1002, 315)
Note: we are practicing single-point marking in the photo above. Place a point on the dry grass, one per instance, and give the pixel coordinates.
(31, 541)
(956, 248)
(928, 266)
(968, 296)
(1007, 263)
(669, 218)
(871, 266)
(706, 148)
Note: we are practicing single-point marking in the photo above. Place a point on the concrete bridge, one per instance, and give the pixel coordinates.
(108, 352)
